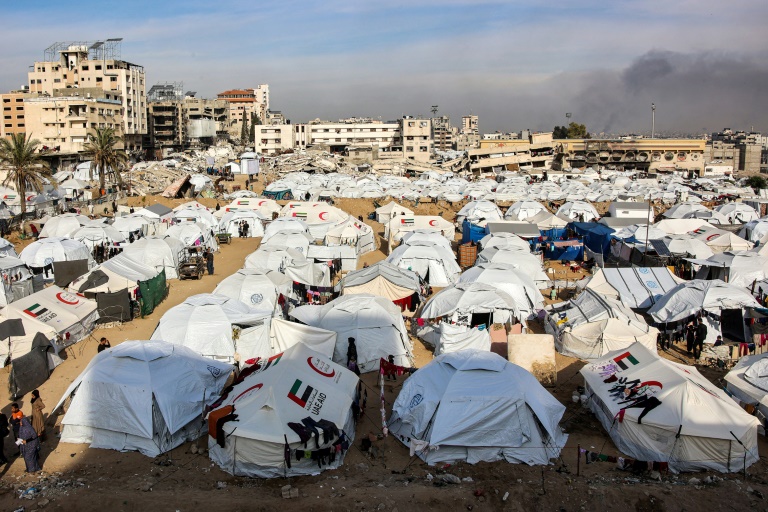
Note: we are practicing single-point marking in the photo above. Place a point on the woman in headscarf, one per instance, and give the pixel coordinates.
(30, 446)
(38, 421)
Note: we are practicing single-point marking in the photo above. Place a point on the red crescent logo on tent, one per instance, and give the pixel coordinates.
(433, 223)
(321, 215)
(651, 383)
(320, 371)
(68, 299)
(261, 202)
(247, 391)
(711, 237)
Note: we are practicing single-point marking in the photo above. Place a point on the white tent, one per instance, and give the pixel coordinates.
(719, 240)
(217, 327)
(17, 346)
(474, 406)
(158, 253)
(736, 268)
(680, 210)
(591, 325)
(264, 206)
(692, 297)
(294, 240)
(274, 258)
(545, 221)
(747, 383)
(16, 279)
(70, 315)
(524, 210)
(578, 210)
(352, 232)
(374, 322)
(131, 224)
(636, 287)
(517, 283)
(392, 209)
(426, 236)
(46, 251)
(657, 410)
(284, 225)
(479, 213)
(230, 221)
(505, 241)
(435, 264)
(63, 226)
(193, 234)
(296, 384)
(682, 226)
(141, 395)
(515, 257)
(737, 213)
(96, 233)
(460, 302)
(682, 245)
(197, 215)
(7, 248)
(383, 280)
(284, 334)
(447, 337)
(398, 226)
(251, 286)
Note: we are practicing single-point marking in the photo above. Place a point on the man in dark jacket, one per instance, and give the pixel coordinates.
(701, 335)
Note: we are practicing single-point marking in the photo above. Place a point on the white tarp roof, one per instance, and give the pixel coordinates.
(475, 406)
(158, 253)
(657, 410)
(46, 251)
(63, 225)
(637, 287)
(469, 298)
(290, 386)
(252, 287)
(141, 395)
(374, 322)
(691, 297)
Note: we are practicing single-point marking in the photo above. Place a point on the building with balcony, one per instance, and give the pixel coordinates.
(63, 121)
(243, 104)
(529, 150)
(73, 65)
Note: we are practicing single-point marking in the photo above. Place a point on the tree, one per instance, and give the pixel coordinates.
(244, 130)
(560, 132)
(757, 182)
(577, 131)
(101, 148)
(254, 122)
(26, 168)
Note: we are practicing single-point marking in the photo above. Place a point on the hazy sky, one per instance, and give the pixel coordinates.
(517, 63)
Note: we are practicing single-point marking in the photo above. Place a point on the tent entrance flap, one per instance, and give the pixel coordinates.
(732, 324)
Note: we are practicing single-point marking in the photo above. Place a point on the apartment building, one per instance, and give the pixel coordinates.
(243, 103)
(96, 64)
(528, 150)
(14, 112)
(442, 133)
(64, 120)
(416, 137)
(741, 149)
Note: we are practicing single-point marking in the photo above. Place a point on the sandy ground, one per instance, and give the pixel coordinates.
(78, 478)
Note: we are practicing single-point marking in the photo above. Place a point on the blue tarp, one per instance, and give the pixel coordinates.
(596, 236)
(553, 234)
(570, 253)
(471, 232)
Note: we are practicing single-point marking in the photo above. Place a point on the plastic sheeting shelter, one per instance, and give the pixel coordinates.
(288, 388)
(637, 287)
(590, 326)
(474, 406)
(657, 410)
(596, 236)
(374, 322)
(141, 395)
(471, 232)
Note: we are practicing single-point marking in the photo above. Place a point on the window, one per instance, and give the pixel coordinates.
(98, 79)
(19, 100)
(97, 67)
(7, 108)
(113, 79)
(411, 124)
(423, 149)
(409, 148)
(85, 68)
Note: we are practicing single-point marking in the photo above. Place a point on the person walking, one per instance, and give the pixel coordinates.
(38, 420)
(701, 335)
(209, 262)
(246, 228)
(30, 446)
(690, 337)
(16, 417)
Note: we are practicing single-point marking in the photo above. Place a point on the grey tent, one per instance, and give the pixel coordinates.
(31, 370)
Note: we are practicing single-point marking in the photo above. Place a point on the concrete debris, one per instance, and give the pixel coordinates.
(289, 492)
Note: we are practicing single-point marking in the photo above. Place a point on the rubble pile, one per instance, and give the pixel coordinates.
(148, 178)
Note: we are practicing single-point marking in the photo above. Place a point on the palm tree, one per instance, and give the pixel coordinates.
(26, 169)
(104, 155)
